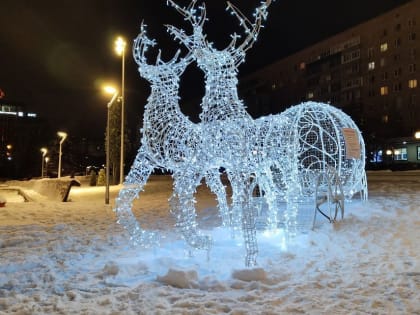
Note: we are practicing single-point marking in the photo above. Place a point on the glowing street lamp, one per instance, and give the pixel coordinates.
(44, 153)
(120, 45)
(114, 91)
(417, 135)
(63, 137)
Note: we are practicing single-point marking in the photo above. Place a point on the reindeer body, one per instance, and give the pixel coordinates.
(171, 139)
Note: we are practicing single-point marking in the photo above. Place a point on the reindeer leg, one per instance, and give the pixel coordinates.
(236, 181)
(183, 208)
(216, 186)
(249, 234)
(245, 213)
(249, 213)
(270, 195)
(133, 184)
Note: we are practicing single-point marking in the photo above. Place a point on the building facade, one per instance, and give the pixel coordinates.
(370, 71)
(20, 133)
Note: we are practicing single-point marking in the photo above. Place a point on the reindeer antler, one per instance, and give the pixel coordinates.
(142, 43)
(251, 29)
(190, 13)
(196, 20)
(198, 38)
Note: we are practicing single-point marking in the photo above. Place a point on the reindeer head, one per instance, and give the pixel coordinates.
(155, 72)
(203, 50)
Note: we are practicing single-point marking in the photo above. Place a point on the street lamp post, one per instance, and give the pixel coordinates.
(63, 137)
(44, 153)
(120, 50)
(109, 90)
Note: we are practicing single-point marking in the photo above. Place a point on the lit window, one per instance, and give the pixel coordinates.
(302, 66)
(376, 157)
(384, 47)
(310, 95)
(418, 153)
(385, 119)
(412, 83)
(400, 154)
(371, 65)
(384, 90)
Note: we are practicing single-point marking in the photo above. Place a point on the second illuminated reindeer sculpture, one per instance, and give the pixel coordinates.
(244, 147)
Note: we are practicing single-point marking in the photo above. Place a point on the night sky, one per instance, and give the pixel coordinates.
(54, 55)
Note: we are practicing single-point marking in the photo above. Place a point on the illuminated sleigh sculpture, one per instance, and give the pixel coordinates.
(329, 158)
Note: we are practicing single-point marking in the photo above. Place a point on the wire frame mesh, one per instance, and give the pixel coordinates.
(318, 133)
(290, 149)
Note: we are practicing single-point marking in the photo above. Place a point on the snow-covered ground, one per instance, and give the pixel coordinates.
(72, 258)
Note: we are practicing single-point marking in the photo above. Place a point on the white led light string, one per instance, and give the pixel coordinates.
(281, 154)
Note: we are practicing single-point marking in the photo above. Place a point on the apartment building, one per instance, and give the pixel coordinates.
(370, 71)
(20, 132)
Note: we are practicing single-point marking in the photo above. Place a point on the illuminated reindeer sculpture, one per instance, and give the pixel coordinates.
(243, 146)
(169, 141)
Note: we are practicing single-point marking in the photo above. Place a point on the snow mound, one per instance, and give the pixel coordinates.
(248, 275)
(184, 279)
